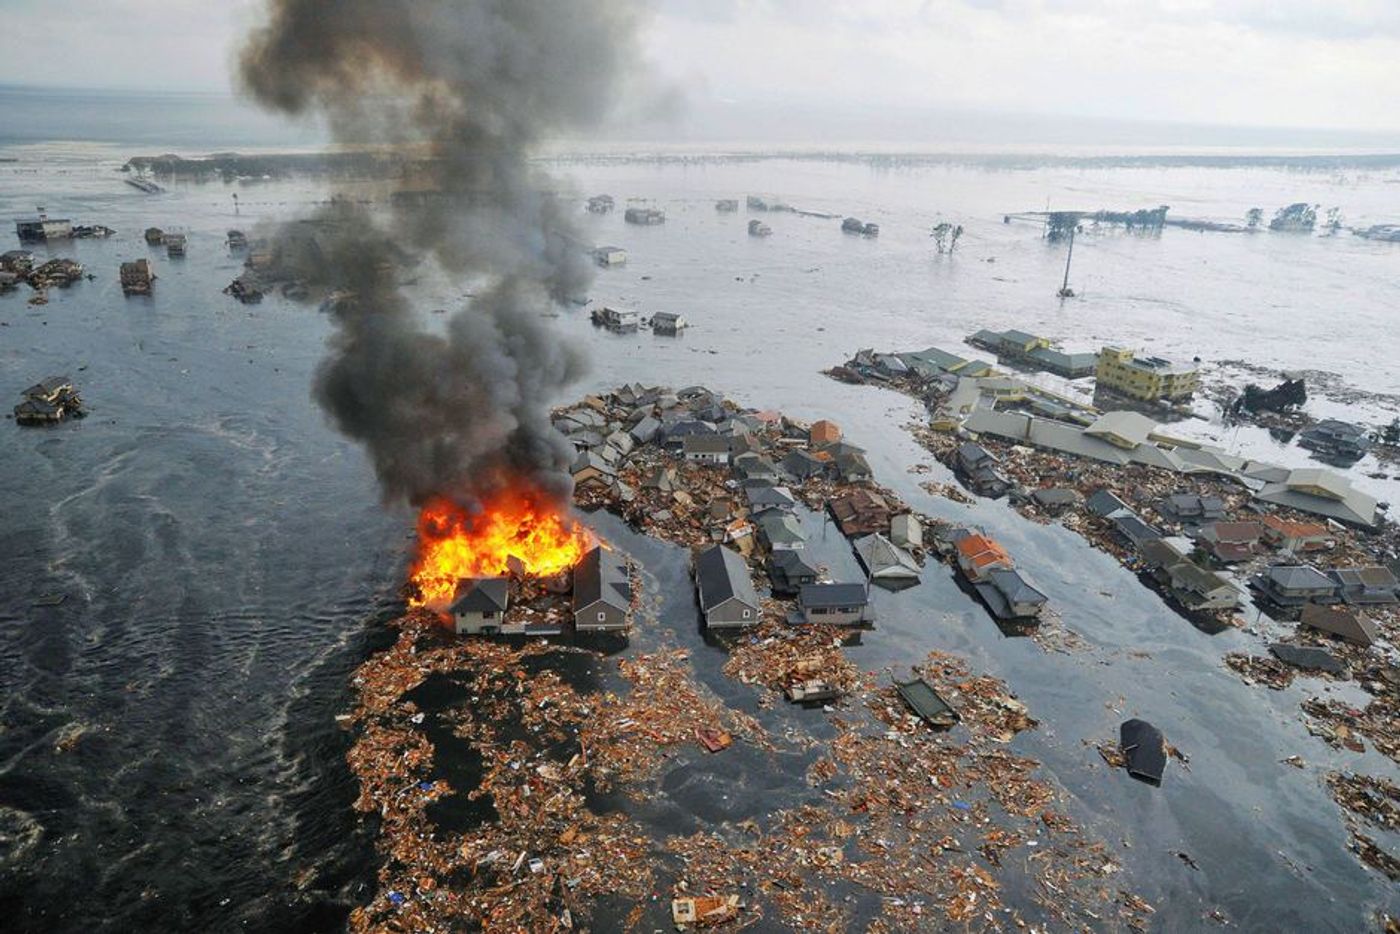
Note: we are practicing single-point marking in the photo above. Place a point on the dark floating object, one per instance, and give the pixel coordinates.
(1301, 656)
(1144, 749)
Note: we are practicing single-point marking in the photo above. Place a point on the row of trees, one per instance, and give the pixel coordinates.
(1296, 217)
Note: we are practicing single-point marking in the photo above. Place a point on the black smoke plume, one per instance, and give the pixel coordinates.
(472, 87)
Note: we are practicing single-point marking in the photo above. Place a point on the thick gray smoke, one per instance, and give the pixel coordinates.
(477, 84)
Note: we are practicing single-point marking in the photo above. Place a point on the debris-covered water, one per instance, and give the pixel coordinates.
(168, 750)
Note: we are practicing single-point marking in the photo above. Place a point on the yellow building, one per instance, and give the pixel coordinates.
(1145, 378)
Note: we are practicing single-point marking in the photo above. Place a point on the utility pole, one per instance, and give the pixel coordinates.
(1065, 290)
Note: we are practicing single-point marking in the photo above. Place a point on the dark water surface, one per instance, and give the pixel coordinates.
(225, 559)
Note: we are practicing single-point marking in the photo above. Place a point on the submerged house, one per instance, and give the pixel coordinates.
(724, 588)
(1366, 585)
(1336, 440)
(789, 572)
(979, 469)
(602, 592)
(1230, 542)
(481, 605)
(885, 561)
(978, 556)
(1010, 594)
(1340, 621)
(1297, 537)
(1295, 585)
(668, 322)
(835, 604)
(610, 256)
(1191, 585)
(780, 531)
(618, 320)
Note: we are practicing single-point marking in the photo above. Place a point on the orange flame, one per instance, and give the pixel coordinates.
(515, 523)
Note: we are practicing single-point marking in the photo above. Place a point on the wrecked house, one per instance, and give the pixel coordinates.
(18, 262)
(851, 468)
(592, 471)
(49, 401)
(1191, 585)
(727, 205)
(927, 704)
(600, 204)
(43, 228)
(154, 236)
(1336, 440)
(610, 256)
(789, 572)
(755, 469)
(801, 465)
(61, 272)
(1366, 585)
(1230, 542)
(602, 592)
(136, 277)
(906, 532)
(668, 322)
(617, 320)
(1295, 537)
(1192, 508)
(861, 512)
(1104, 503)
(978, 556)
(705, 449)
(1131, 530)
(1340, 621)
(644, 216)
(175, 244)
(884, 561)
(1054, 500)
(835, 604)
(481, 605)
(1144, 751)
(1321, 493)
(978, 468)
(237, 241)
(759, 229)
(1010, 595)
(780, 531)
(724, 588)
(1295, 585)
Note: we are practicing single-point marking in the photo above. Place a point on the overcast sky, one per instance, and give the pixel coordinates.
(1291, 63)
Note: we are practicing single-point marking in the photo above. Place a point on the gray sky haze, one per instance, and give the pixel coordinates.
(1323, 64)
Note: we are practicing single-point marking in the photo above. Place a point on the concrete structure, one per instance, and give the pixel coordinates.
(481, 605)
(602, 592)
(1148, 379)
(835, 604)
(724, 588)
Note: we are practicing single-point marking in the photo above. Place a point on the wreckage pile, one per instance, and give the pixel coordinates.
(48, 402)
(929, 821)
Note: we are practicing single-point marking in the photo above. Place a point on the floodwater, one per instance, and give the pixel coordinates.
(226, 562)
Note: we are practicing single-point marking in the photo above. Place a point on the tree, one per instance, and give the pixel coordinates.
(1295, 217)
(1390, 434)
(1254, 217)
(1334, 219)
(945, 237)
(1059, 224)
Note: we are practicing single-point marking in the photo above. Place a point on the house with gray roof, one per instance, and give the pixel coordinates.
(1010, 595)
(1366, 585)
(591, 470)
(1192, 507)
(725, 589)
(835, 604)
(480, 606)
(602, 592)
(1321, 493)
(1343, 622)
(885, 561)
(706, 449)
(802, 466)
(1295, 584)
(1104, 503)
(789, 572)
(762, 498)
(779, 530)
